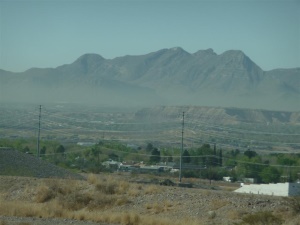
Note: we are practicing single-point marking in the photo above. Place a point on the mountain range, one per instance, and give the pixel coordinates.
(165, 77)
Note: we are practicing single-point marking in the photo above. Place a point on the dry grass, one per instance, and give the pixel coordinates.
(59, 199)
(54, 210)
(44, 194)
(130, 219)
(104, 193)
(217, 203)
(235, 214)
(92, 178)
(22, 223)
(106, 188)
(207, 192)
(106, 199)
(228, 188)
(263, 218)
(155, 207)
(109, 185)
(168, 204)
(134, 192)
(160, 207)
(293, 203)
(152, 189)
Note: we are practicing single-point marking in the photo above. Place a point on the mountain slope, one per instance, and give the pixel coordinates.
(167, 76)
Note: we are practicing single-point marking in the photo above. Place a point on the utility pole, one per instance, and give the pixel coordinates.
(39, 132)
(289, 180)
(181, 152)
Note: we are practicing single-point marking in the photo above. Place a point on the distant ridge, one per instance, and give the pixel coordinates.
(165, 77)
(218, 115)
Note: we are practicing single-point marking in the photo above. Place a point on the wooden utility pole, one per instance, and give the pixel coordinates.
(181, 151)
(39, 132)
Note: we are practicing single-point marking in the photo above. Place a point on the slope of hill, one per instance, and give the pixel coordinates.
(15, 163)
(168, 76)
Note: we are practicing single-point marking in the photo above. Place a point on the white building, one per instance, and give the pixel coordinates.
(279, 189)
(227, 179)
(111, 163)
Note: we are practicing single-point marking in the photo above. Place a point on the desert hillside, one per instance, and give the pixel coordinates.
(132, 199)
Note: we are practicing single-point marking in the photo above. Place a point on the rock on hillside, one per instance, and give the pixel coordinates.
(15, 163)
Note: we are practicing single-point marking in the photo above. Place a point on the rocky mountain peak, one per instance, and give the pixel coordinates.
(178, 50)
(89, 58)
(88, 62)
(234, 53)
(238, 58)
(207, 52)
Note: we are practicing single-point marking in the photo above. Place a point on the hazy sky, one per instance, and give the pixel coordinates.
(50, 33)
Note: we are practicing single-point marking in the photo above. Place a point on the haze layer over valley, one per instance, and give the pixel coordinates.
(165, 77)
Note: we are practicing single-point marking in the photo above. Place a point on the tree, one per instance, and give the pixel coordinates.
(149, 147)
(249, 167)
(235, 152)
(96, 153)
(155, 156)
(284, 160)
(26, 149)
(186, 158)
(113, 156)
(60, 149)
(167, 155)
(43, 150)
(270, 175)
(59, 156)
(215, 160)
(220, 157)
(250, 153)
(204, 153)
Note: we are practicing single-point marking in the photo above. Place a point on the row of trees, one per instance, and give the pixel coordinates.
(207, 161)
